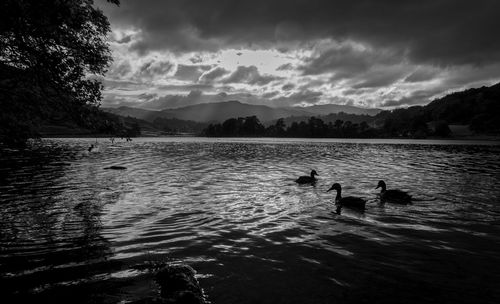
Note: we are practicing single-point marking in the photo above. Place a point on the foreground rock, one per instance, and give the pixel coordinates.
(115, 168)
(177, 285)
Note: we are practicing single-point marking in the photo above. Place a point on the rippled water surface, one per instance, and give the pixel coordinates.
(72, 231)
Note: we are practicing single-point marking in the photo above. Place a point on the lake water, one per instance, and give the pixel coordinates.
(71, 231)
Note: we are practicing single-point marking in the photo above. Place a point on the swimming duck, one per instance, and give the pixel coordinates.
(349, 201)
(393, 196)
(307, 179)
(93, 148)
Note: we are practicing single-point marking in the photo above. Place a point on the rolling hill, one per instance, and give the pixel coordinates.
(220, 111)
(326, 109)
(138, 113)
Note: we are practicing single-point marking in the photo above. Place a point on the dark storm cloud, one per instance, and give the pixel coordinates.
(185, 87)
(120, 70)
(356, 92)
(214, 74)
(415, 98)
(196, 59)
(444, 32)
(196, 97)
(285, 67)
(125, 39)
(249, 75)
(474, 76)
(376, 78)
(269, 95)
(190, 72)
(348, 60)
(173, 101)
(307, 96)
(422, 74)
(125, 85)
(147, 96)
(154, 68)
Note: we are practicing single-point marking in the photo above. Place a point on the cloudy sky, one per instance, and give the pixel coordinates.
(377, 53)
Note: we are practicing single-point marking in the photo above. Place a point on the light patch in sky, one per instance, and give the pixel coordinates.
(347, 72)
(267, 61)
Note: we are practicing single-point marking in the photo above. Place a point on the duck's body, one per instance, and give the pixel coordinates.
(348, 201)
(307, 179)
(394, 195)
(351, 202)
(93, 149)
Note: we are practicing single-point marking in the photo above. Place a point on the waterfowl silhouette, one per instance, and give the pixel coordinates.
(93, 148)
(307, 179)
(349, 201)
(393, 196)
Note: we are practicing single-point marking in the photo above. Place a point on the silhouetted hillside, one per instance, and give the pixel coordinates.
(479, 108)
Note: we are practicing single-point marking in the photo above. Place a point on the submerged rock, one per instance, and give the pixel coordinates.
(178, 285)
(115, 168)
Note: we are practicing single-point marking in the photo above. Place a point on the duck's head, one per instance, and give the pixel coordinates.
(313, 173)
(335, 186)
(381, 184)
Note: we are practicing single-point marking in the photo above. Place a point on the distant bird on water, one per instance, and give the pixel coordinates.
(93, 148)
(349, 201)
(307, 179)
(393, 196)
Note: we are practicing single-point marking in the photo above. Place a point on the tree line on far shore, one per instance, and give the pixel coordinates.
(479, 109)
(316, 128)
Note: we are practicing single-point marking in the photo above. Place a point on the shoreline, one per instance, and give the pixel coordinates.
(491, 138)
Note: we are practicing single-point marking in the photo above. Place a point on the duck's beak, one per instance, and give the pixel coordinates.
(329, 190)
(378, 187)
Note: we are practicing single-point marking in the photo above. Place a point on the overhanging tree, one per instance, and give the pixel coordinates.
(51, 54)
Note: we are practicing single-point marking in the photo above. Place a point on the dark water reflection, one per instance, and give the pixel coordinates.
(70, 230)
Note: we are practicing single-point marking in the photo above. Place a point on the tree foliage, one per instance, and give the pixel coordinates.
(479, 108)
(51, 54)
(314, 127)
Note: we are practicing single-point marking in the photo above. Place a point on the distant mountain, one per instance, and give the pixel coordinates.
(220, 111)
(326, 109)
(147, 115)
